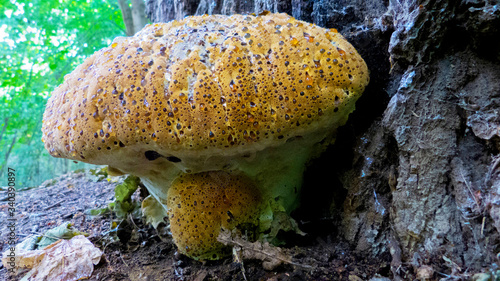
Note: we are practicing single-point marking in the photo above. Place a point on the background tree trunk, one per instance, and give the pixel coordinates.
(417, 166)
(138, 14)
(5, 123)
(134, 16)
(7, 154)
(127, 17)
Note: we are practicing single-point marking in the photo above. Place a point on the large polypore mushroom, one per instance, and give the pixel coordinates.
(252, 98)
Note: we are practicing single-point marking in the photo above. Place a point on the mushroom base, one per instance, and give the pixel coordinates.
(276, 172)
(202, 204)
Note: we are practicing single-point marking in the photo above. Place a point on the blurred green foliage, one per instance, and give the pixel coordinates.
(40, 42)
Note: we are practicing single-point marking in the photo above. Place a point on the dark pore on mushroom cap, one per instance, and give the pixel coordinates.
(255, 95)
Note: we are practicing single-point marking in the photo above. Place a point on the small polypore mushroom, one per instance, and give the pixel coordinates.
(257, 96)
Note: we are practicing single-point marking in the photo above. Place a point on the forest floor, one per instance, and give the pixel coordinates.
(141, 253)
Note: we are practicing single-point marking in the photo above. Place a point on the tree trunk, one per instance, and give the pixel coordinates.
(133, 17)
(127, 17)
(5, 123)
(417, 167)
(7, 154)
(138, 14)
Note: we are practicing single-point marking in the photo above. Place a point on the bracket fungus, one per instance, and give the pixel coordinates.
(230, 104)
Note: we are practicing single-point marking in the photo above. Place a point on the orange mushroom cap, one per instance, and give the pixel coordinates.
(204, 85)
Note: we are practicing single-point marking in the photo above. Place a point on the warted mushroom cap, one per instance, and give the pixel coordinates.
(204, 85)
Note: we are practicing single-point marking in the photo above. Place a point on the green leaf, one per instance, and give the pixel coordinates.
(63, 231)
(36, 53)
(123, 196)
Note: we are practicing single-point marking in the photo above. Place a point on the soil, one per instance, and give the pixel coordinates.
(142, 253)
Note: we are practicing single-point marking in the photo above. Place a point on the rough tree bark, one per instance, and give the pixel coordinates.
(417, 166)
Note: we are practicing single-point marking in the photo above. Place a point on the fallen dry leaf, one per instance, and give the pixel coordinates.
(72, 259)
